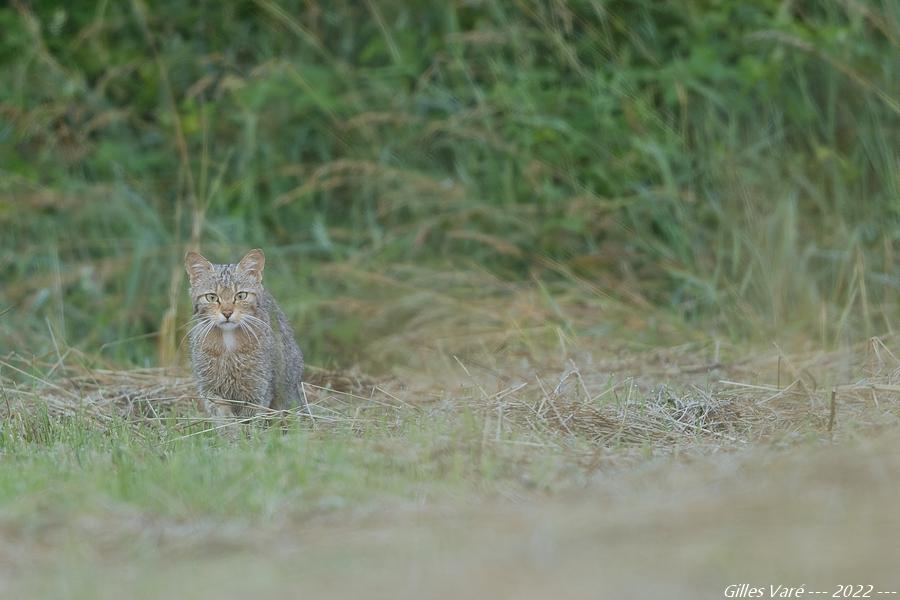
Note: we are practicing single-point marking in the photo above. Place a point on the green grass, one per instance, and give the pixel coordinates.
(509, 476)
(730, 165)
(429, 509)
(54, 469)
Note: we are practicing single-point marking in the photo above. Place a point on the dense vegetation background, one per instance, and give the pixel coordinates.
(451, 175)
(603, 292)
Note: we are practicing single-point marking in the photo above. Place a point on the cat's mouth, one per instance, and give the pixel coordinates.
(228, 325)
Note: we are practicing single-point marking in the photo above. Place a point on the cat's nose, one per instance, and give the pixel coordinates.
(227, 312)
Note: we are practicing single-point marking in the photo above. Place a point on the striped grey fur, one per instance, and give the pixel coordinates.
(243, 351)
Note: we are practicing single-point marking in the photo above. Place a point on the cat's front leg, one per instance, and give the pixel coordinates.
(218, 408)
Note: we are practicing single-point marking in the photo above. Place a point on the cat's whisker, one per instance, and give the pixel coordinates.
(255, 320)
(257, 325)
(188, 334)
(213, 325)
(195, 319)
(198, 323)
(206, 331)
(246, 326)
(198, 326)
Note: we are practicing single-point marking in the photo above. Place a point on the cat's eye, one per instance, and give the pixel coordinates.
(210, 297)
(241, 296)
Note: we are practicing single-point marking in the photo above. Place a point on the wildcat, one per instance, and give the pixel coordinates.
(242, 346)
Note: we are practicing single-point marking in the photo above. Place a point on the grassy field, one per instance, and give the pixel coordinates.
(490, 479)
(598, 297)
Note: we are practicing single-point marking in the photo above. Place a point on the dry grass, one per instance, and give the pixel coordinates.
(623, 398)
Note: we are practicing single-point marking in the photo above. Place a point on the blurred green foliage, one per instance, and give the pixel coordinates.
(731, 163)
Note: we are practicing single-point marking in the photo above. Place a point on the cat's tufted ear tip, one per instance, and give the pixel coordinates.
(253, 263)
(196, 265)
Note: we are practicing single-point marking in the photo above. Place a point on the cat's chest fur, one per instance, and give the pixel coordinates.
(234, 367)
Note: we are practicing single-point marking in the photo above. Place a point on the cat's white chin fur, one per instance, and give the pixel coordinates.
(229, 339)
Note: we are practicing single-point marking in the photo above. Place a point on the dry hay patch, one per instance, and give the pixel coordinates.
(659, 398)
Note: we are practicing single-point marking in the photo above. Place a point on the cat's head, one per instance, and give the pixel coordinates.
(228, 295)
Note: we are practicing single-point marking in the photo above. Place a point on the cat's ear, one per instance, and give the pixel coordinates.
(252, 264)
(196, 265)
